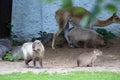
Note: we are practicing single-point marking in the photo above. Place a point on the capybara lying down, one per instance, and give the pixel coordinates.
(33, 51)
(87, 59)
(84, 35)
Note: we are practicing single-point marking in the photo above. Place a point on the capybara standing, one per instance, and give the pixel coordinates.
(33, 51)
(85, 35)
(88, 59)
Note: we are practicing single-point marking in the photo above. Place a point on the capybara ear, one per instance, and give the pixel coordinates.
(37, 42)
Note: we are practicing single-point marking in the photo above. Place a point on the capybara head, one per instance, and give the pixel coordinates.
(97, 52)
(36, 45)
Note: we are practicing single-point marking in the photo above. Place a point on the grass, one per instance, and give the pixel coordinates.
(62, 76)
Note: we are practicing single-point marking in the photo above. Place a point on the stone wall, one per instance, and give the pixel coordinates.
(29, 17)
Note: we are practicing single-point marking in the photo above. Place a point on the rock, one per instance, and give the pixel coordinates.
(5, 46)
(7, 43)
(17, 53)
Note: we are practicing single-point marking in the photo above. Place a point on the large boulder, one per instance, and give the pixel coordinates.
(17, 53)
(5, 46)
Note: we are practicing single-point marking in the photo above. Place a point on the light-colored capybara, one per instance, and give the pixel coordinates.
(87, 59)
(84, 35)
(33, 51)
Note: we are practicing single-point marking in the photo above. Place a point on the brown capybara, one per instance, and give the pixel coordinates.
(85, 35)
(88, 59)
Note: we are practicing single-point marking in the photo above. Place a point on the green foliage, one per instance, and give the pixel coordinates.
(77, 75)
(41, 33)
(12, 35)
(19, 57)
(79, 10)
(33, 39)
(9, 28)
(107, 34)
(66, 4)
(9, 57)
(16, 43)
(61, 42)
(9, 25)
(111, 8)
(84, 21)
(61, 34)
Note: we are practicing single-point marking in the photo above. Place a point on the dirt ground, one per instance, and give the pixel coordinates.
(64, 59)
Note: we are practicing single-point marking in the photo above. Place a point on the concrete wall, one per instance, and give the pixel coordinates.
(31, 16)
(26, 18)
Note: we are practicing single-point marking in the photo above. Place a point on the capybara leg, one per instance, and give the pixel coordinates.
(27, 63)
(34, 63)
(70, 44)
(78, 63)
(89, 65)
(41, 64)
(76, 45)
(85, 44)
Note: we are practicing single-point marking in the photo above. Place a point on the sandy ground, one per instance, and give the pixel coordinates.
(64, 60)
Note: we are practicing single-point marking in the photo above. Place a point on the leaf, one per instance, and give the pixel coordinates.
(9, 57)
(50, 1)
(84, 21)
(79, 10)
(111, 8)
(66, 4)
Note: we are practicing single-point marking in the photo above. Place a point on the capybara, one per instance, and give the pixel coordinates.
(78, 34)
(87, 59)
(33, 51)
